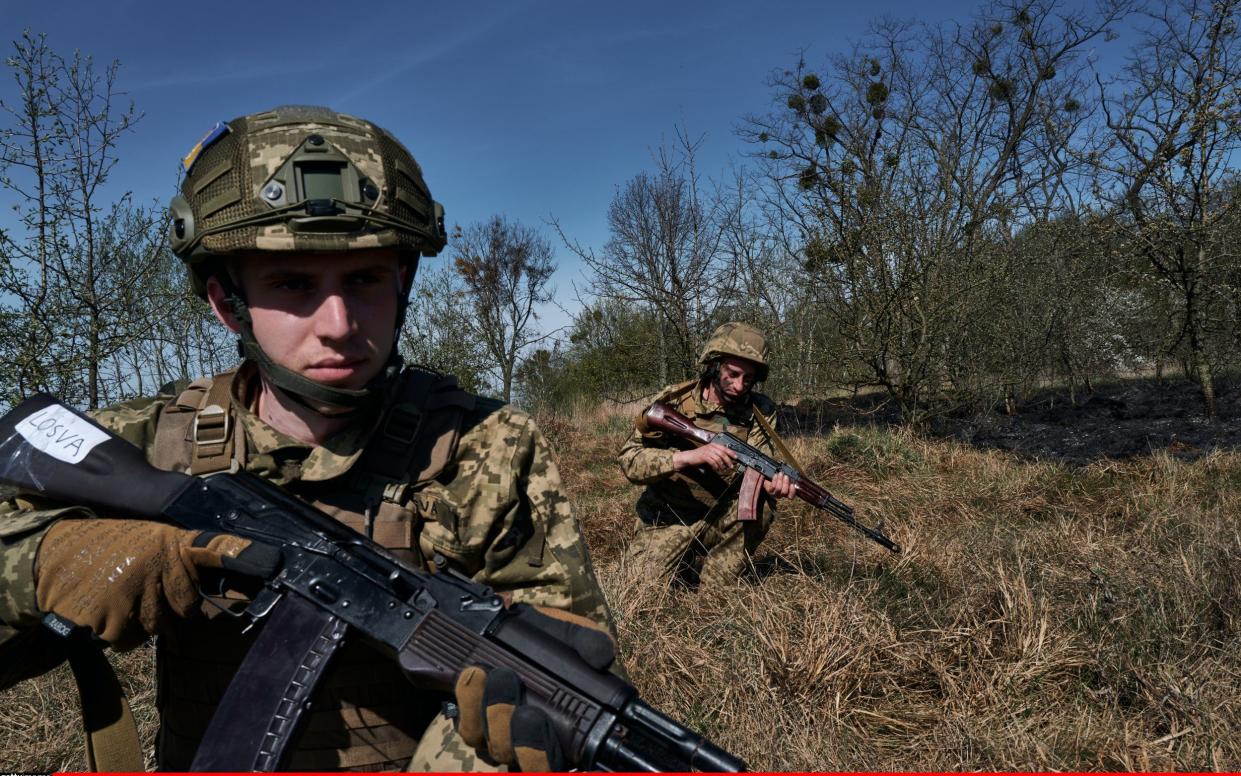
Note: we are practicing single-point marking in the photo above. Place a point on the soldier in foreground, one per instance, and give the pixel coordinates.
(687, 519)
(303, 228)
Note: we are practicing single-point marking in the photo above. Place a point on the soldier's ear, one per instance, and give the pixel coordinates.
(223, 309)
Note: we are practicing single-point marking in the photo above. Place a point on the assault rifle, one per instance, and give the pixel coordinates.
(335, 581)
(758, 467)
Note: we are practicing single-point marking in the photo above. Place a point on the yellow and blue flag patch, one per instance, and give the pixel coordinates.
(218, 131)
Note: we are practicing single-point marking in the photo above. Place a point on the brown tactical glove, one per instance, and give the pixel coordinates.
(124, 578)
(490, 714)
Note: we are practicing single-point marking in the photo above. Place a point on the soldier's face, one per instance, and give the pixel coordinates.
(326, 316)
(735, 380)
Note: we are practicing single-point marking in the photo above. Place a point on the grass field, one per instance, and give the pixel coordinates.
(1042, 617)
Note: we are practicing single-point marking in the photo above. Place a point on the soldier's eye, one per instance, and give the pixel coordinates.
(293, 283)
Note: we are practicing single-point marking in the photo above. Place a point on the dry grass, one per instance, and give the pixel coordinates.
(1041, 617)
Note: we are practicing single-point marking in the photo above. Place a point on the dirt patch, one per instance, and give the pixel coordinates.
(1117, 421)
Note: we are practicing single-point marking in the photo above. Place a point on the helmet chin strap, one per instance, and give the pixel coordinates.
(299, 388)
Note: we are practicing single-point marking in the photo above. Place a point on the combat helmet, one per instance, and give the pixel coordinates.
(308, 179)
(741, 340)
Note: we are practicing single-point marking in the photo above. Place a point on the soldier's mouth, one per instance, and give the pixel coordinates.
(330, 371)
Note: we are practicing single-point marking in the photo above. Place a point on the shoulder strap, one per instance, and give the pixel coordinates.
(196, 431)
(680, 390)
(418, 435)
(213, 433)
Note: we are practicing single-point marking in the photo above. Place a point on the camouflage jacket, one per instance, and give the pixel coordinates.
(686, 497)
(498, 512)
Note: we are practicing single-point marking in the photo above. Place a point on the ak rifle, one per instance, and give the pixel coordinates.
(759, 467)
(335, 583)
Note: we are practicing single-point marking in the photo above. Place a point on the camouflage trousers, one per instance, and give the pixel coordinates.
(441, 750)
(717, 551)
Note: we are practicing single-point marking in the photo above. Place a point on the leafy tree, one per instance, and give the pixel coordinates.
(437, 332)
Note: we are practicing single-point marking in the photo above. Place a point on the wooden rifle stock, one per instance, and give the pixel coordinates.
(662, 417)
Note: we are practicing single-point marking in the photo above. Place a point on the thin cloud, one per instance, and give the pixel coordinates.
(216, 76)
(418, 55)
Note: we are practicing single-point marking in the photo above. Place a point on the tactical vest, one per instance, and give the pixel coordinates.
(365, 715)
(690, 496)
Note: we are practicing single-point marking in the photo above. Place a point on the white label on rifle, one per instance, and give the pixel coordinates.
(60, 433)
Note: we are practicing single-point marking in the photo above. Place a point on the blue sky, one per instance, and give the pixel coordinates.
(532, 110)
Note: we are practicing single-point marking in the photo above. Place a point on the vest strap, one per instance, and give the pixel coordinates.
(213, 432)
(418, 436)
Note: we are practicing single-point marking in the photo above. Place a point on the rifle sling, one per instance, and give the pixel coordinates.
(770, 431)
(111, 733)
(259, 713)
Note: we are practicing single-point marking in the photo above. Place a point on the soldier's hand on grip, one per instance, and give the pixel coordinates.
(718, 457)
(491, 715)
(122, 578)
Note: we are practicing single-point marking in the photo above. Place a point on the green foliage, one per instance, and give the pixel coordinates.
(436, 334)
(818, 254)
(880, 452)
(797, 103)
(810, 81)
(610, 354)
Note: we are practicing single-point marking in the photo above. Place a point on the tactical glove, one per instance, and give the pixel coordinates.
(124, 578)
(490, 714)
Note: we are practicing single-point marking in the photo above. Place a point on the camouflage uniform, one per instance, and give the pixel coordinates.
(688, 520)
(497, 512)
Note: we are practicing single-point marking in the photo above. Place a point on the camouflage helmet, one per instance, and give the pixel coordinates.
(741, 340)
(301, 178)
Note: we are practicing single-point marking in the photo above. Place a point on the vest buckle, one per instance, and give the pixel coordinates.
(211, 426)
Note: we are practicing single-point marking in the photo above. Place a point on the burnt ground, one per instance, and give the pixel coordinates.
(1118, 420)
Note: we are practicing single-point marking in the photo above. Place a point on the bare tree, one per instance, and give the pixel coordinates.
(664, 255)
(437, 331)
(77, 258)
(505, 268)
(908, 163)
(1176, 132)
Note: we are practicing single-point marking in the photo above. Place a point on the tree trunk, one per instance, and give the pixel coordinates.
(1198, 363)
